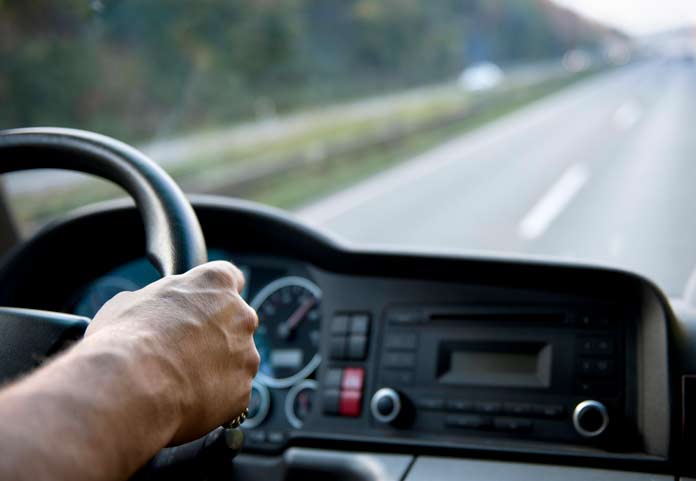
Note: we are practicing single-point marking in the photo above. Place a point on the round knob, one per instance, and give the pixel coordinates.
(590, 418)
(386, 405)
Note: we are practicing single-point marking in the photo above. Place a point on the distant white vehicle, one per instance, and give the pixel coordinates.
(577, 60)
(481, 76)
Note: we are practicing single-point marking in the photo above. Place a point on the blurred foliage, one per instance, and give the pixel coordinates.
(139, 69)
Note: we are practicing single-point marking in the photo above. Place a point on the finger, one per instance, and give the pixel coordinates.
(219, 273)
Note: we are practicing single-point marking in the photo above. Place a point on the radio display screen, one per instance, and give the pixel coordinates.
(495, 364)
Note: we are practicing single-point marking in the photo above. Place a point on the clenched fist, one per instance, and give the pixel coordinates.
(198, 332)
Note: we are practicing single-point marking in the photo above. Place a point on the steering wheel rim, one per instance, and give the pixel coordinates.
(174, 238)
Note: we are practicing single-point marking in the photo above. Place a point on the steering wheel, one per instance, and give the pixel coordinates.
(174, 239)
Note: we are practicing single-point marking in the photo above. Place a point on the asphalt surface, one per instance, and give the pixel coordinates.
(603, 171)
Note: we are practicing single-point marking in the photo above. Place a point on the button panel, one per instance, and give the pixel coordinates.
(349, 336)
(487, 423)
(414, 354)
(520, 410)
(596, 367)
(342, 391)
(399, 356)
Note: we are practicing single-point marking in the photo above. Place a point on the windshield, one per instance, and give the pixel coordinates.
(559, 128)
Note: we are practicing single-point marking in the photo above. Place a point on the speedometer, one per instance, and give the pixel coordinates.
(288, 335)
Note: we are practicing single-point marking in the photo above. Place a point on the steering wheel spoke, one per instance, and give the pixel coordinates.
(30, 336)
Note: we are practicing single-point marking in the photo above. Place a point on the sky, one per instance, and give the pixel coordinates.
(637, 17)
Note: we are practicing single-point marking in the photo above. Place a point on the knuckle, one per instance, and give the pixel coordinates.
(250, 320)
(220, 273)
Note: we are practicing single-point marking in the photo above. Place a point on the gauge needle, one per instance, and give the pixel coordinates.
(297, 316)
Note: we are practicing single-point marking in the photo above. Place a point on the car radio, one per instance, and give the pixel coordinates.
(542, 373)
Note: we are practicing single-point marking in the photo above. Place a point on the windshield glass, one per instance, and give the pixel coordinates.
(549, 127)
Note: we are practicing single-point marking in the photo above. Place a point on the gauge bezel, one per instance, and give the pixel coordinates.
(259, 299)
(265, 407)
(290, 415)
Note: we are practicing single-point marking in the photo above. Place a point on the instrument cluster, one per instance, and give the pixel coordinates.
(288, 304)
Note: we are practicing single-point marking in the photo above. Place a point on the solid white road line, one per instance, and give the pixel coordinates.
(538, 219)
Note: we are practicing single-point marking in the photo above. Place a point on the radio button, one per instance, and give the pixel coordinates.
(330, 400)
(605, 346)
(399, 359)
(397, 377)
(518, 409)
(360, 324)
(404, 342)
(550, 410)
(353, 379)
(339, 324)
(332, 378)
(585, 367)
(357, 347)
(350, 403)
(459, 405)
(468, 422)
(587, 346)
(405, 315)
(512, 425)
(595, 321)
(596, 388)
(488, 407)
(594, 346)
(596, 367)
(337, 348)
(430, 403)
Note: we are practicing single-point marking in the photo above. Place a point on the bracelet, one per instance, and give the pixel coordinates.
(237, 421)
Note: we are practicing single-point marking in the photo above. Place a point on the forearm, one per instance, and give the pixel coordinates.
(97, 412)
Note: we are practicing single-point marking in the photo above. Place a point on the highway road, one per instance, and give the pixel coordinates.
(603, 171)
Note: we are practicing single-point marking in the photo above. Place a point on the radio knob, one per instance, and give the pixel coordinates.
(386, 405)
(590, 418)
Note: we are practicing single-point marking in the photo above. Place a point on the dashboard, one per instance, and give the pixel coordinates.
(415, 356)
(456, 366)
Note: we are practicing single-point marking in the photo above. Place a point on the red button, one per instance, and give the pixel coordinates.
(353, 379)
(350, 403)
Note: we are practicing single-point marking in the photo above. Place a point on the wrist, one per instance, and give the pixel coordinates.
(153, 389)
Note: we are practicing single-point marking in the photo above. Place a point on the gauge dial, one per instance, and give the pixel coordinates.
(288, 335)
(100, 292)
(259, 404)
(299, 402)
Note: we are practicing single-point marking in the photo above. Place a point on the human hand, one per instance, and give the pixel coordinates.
(196, 330)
